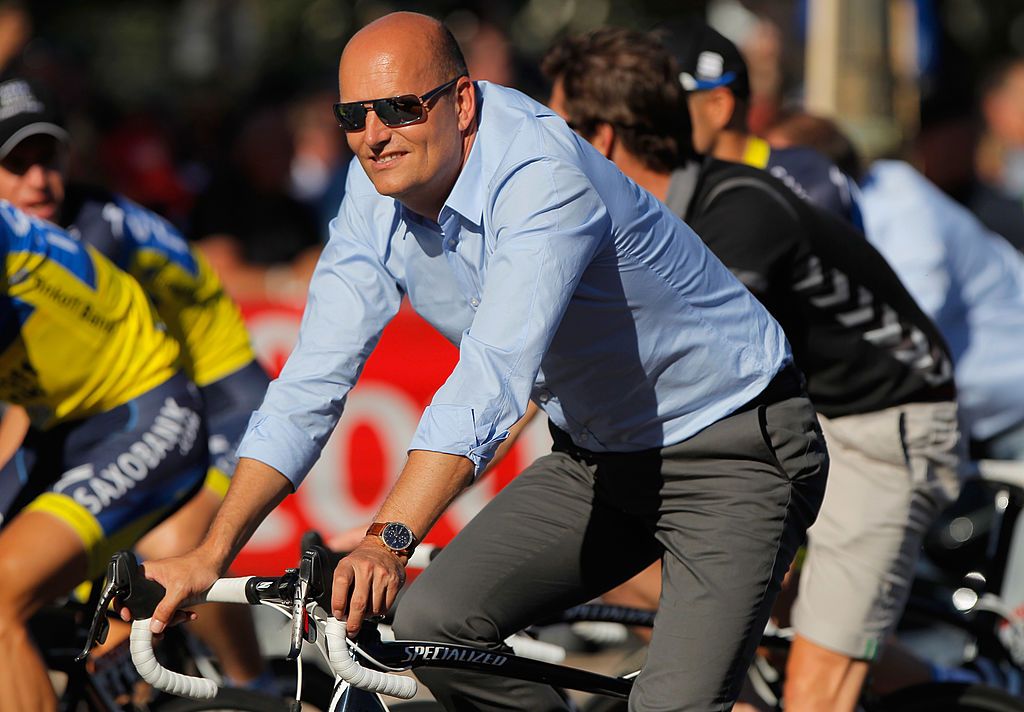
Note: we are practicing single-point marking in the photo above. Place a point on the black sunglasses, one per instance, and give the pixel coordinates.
(394, 111)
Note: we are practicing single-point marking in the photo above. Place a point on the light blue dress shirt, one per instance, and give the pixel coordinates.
(558, 278)
(968, 280)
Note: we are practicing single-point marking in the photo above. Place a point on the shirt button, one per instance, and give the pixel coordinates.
(544, 397)
(474, 302)
(584, 437)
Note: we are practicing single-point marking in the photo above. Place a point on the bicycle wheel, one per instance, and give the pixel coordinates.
(227, 700)
(949, 697)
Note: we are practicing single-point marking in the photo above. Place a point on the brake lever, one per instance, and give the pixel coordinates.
(301, 630)
(100, 626)
(300, 620)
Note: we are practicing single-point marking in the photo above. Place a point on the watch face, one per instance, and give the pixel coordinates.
(397, 536)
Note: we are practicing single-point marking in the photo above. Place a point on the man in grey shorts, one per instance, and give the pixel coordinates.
(877, 369)
(682, 430)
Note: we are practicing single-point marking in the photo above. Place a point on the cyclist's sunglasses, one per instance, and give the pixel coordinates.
(394, 111)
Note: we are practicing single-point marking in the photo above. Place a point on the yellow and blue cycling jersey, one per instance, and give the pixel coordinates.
(189, 298)
(115, 475)
(77, 336)
(118, 440)
(186, 291)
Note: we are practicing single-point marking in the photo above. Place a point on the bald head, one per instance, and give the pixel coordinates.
(409, 56)
(403, 44)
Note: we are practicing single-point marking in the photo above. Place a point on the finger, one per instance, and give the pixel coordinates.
(339, 596)
(392, 592)
(164, 612)
(380, 596)
(122, 610)
(357, 602)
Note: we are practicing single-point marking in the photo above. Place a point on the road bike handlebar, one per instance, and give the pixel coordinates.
(348, 668)
(306, 586)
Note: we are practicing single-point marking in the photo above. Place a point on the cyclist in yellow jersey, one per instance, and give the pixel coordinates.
(189, 298)
(117, 439)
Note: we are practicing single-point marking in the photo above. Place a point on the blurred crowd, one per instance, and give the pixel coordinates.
(254, 175)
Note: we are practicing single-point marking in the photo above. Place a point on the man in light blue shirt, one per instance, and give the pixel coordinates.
(681, 427)
(971, 282)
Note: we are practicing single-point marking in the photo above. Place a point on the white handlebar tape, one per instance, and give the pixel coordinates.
(350, 671)
(421, 556)
(157, 675)
(228, 590)
(527, 647)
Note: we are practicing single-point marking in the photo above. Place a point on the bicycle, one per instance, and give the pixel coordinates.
(964, 578)
(109, 682)
(368, 668)
(956, 599)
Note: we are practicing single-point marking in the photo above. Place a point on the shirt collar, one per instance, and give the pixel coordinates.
(468, 193)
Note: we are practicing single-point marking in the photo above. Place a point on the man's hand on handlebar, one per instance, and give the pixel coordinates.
(366, 583)
(185, 578)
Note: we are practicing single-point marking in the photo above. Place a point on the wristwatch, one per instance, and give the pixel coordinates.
(395, 535)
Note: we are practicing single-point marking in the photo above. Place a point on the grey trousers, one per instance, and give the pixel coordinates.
(724, 510)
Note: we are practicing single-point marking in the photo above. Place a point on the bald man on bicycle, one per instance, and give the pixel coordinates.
(681, 428)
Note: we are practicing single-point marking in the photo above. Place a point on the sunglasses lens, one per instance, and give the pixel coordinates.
(351, 117)
(399, 111)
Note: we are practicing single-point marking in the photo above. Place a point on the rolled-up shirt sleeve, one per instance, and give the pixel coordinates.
(548, 222)
(352, 297)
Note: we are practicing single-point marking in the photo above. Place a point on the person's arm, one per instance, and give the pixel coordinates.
(352, 298)
(350, 538)
(513, 435)
(13, 428)
(255, 490)
(548, 223)
(374, 575)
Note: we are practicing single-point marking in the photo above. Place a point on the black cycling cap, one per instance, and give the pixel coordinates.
(26, 110)
(708, 60)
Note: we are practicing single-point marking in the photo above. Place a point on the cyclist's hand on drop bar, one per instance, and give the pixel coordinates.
(366, 583)
(185, 578)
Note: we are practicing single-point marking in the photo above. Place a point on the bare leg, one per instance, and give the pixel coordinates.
(32, 576)
(821, 680)
(226, 628)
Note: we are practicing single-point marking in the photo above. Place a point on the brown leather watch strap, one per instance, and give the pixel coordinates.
(377, 529)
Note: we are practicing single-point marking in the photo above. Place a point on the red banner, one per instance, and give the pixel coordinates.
(364, 455)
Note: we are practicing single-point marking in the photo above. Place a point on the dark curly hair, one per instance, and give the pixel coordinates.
(630, 80)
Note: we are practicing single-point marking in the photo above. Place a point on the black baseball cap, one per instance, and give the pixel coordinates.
(26, 110)
(709, 60)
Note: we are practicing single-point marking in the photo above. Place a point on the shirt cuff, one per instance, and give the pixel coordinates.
(452, 429)
(276, 442)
